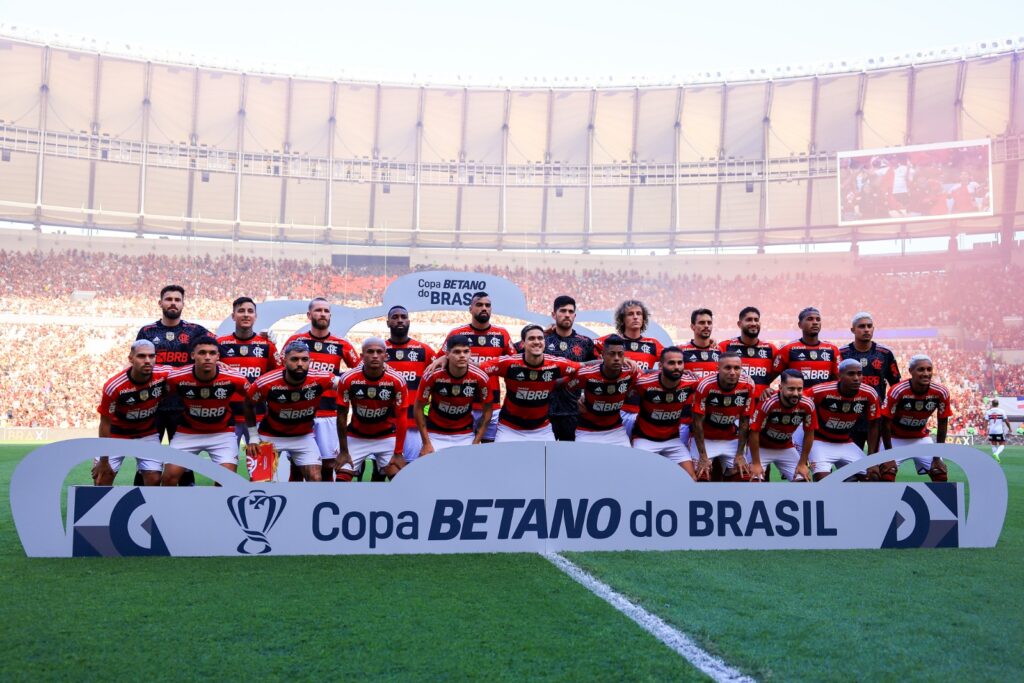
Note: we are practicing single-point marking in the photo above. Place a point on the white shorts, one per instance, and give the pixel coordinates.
(297, 450)
(325, 433)
(715, 448)
(672, 449)
(612, 437)
(221, 446)
(413, 442)
(923, 464)
(144, 465)
(786, 459)
(825, 454)
(684, 434)
(492, 426)
(442, 441)
(380, 450)
(506, 434)
(628, 420)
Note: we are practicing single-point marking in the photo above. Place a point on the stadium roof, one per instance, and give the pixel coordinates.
(90, 139)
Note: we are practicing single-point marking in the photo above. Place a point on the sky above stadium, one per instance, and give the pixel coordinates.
(528, 42)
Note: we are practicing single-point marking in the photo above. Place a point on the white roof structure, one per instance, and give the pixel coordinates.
(95, 140)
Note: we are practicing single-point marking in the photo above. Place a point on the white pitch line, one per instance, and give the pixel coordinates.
(679, 642)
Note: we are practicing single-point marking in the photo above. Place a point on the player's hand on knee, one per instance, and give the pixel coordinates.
(756, 472)
(802, 473)
(704, 469)
(341, 459)
(741, 466)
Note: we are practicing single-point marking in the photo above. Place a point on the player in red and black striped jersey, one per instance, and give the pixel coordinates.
(838, 404)
(877, 362)
(700, 355)
(772, 426)
(409, 358)
(128, 407)
(817, 361)
(377, 397)
(292, 394)
(757, 357)
(631, 320)
(450, 389)
(247, 353)
(327, 353)
(662, 398)
(908, 407)
(206, 390)
(605, 388)
(722, 406)
(530, 379)
(489, 342)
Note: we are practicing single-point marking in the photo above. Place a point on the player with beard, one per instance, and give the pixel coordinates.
(663, 397)
(247, 353)
(292, 393)
(700, 355)
(450, 390)
(173, 338)
(565, 342)
(722, 406)
(631, 320)
(604, 388)
(128, 409)
(817, 361)
(410, 359)
(905, 415)
(772, 426)
(756, 356)
(489, 342)
(879, 366)
(327, 353)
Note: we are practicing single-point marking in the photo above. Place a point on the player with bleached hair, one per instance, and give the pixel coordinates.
(997, 426)
(908, 407)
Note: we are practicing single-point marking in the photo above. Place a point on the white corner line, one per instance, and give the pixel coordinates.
(677, 641)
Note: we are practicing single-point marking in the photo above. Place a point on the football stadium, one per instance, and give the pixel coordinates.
(743, 280)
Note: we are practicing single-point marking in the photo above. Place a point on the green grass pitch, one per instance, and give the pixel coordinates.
(787, 615)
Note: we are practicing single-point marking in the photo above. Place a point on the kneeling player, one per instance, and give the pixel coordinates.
(905, 416)
(772, 427)
(450, 390)
(377, 396)
(838, 404)
(662, 400)
(722, 405)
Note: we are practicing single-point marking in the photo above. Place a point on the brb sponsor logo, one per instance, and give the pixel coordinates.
(449, 291)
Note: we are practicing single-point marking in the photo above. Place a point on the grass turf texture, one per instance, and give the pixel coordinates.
(786, 615)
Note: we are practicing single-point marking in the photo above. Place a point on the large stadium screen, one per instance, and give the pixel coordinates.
(916, 183)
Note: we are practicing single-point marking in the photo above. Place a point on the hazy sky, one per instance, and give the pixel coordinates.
(478, 42)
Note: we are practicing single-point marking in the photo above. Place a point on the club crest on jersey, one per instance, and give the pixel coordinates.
(413, 356)
(495, 342)
(221, 393)
(547, 376)
(930, 406)
(143, 395)
(622, 388)
(310, 394)
(157, 391)
(296, 397)
(257, 351)
(825, 355)
(332, 349)
(858, 407)
(762, 353)
(739, 401)
(385, 394)
(244, 350)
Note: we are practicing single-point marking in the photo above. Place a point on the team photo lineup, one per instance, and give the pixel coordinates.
(317, 408)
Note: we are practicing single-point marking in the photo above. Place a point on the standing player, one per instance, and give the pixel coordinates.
(817, 361)
(489, 342)
(700, 355)
(249, 354)
(908, 406)
(326, 354)
(128, 408)
(450, 390)
(772, 426)
(292, 394)
(530, 379)
(756, 356)
(878, 363)
(722, 406)
(631, 320)
(662, 398)
(377, 397)
(838, 404)
(566, 342)
(997, 426)
(206, 390)
(409, 358)
(604, 388)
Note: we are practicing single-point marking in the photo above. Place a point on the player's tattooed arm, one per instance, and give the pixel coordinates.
(342, 423)
(703, 464)
(741, 446)
(485, 420)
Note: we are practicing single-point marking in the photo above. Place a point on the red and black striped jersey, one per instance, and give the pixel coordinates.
(494, 342)
(702, 362)
(207, 403)
(326, 354)
(758, 360)
(662, 409)
(644, 351)
(451, 399)
(723, 408)
(776, 423)
(172, 343)
(410, 359)
(909, 412)
(377, 405)
(250, 358)
(132, 406)
(817, 362)
(603, 398)
(838, 413)
(290, 408)
(528, 388)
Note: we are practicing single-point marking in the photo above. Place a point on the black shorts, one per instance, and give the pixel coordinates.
(997, 438)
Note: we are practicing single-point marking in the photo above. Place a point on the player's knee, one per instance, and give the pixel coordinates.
(887, 471)
(391, 471)
(939, 472)
(818, 476)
